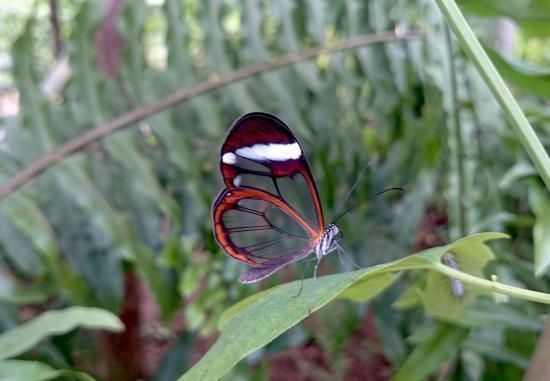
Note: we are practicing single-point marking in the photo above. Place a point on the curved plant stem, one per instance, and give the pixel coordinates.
(517, 119)
(213, 83)
(494, 286)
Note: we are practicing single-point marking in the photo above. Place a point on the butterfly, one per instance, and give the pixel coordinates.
(269, 214)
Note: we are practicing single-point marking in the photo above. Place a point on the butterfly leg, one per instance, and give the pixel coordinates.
(301, 281)
(341, 250)
(341, 254)
(313, 284)
(344, 266)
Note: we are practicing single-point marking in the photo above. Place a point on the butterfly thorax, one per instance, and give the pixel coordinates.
(326, 242)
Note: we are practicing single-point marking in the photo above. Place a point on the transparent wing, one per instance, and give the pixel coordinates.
(258, 228)
(260, 152)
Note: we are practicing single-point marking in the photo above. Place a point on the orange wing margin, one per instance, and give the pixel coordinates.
(228, 199)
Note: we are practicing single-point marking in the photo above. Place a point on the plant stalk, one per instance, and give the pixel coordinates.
(515, 116)
(534, 296)
(459, 154)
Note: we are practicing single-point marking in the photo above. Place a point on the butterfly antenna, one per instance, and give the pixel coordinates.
(367, 200)
(313, 286)
(350, 191)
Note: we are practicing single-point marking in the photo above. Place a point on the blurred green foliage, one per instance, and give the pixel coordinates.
(138, 202)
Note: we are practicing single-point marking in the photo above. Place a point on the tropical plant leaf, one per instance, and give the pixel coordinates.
(276, 310)
(443, 342)
(532, 16)
(528, 79)
(19, 370)
(540, 205)
(14, 293)
(22, 338)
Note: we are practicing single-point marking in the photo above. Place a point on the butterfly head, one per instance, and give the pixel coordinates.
(327, 242)
(332, 230)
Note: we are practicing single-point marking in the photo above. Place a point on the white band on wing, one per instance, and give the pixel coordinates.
(229, 158)
(272, 151)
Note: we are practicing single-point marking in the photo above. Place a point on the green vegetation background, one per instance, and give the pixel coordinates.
(124, 225)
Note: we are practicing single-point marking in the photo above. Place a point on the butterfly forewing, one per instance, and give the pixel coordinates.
(261, 152)
(269, 215)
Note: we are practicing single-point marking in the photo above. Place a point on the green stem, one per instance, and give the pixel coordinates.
(487, 70)
(494, 286)
(459, 153)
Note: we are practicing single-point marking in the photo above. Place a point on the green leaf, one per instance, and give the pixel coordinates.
(496, 351)
(121, 147)
(485, 313)
(19, 370)
(257, 320)
(470, 256)
(532, 16)
(263, 319)
(365, 289)
(427, 356)
(438, 299)
(18, 294)
(22, 338)
(540, 205)
(531, 80)
(408, 299)
(516, 172)
(28, 217)
(241, 305)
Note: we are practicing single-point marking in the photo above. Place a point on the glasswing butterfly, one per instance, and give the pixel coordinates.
(269, 214)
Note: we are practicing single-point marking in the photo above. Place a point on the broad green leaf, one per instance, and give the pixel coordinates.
(516, 172)
(86, 195)
(524, 78)
(532, 16)
(485, 313)
(360, 291)
(438, 298)
(121, 147)
(540, 205)
(19, 370)
(492, 220)
(29, 218)
(241, 305)
(497, 351)
(428, 356)
(257, 320)
(408, 299)
(22, 338)
(470, 256)
(18, 294)
(365, 289)
(258, 323)
(18, 251)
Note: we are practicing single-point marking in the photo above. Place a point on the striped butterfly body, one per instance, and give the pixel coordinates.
(269, 214)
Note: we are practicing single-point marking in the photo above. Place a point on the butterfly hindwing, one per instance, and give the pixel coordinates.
(256, 227)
